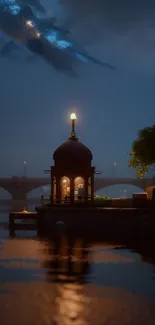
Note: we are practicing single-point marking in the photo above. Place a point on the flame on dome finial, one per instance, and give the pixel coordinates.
(73, 119)
(73, 116)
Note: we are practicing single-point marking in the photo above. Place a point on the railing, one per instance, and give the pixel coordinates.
(46, 200)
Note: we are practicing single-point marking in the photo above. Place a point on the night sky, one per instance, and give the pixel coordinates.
(111, 106)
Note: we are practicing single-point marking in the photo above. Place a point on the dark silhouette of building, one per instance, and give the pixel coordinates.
(72, 176)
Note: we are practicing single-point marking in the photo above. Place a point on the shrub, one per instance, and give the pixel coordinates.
(103, 201)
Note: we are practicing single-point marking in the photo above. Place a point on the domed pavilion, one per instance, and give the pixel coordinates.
(72, 176)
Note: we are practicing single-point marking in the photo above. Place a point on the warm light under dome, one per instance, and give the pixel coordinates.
(73, 116)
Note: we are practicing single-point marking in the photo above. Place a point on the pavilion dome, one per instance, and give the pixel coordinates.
(73, 152)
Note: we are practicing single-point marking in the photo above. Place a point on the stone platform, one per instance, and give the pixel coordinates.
(22, 221)
(106, 222)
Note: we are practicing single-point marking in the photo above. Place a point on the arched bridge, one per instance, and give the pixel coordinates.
(19, 187)
(142, 183)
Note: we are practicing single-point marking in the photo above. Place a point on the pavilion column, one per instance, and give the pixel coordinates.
(92, 187)
(52, 185)
(72, 190)
(86, 189)
(58, 190)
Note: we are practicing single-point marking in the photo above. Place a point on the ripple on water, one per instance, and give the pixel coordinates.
(118, 290)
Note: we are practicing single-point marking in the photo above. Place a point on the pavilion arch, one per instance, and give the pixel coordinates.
(79, 190)
(64, 188)
(119, 190)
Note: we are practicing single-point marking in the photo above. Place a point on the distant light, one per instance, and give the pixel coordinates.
(29, 23)
(24, 162)
(73, 116)
(38, 35)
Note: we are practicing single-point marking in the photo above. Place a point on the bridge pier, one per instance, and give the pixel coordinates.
(19, 205)
(19, 202)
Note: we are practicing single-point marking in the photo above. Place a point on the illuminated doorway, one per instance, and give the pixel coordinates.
(65, 189)
(78, 189)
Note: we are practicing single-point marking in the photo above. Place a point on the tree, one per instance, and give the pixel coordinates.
(143, 151)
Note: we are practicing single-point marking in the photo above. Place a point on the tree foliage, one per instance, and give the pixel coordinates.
(142, 155)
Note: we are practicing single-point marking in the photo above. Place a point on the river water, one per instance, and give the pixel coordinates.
(101, 284)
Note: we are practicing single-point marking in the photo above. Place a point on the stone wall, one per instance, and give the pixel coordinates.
(108, 222)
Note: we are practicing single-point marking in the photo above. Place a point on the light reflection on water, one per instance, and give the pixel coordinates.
(92, 284)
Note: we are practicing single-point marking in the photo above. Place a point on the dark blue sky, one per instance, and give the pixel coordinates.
(111, 106)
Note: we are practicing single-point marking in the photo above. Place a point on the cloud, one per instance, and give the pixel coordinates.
(41, 37)
(115, 12)
(97, 18)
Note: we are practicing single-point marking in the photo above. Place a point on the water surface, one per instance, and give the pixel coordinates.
(101, 283)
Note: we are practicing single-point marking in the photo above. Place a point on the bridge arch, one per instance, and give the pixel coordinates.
(119, 190)
(37, 191)
(102, 183)
(4, 193)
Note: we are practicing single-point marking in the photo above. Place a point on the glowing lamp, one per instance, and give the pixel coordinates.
(73, 116)
(73, 119)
